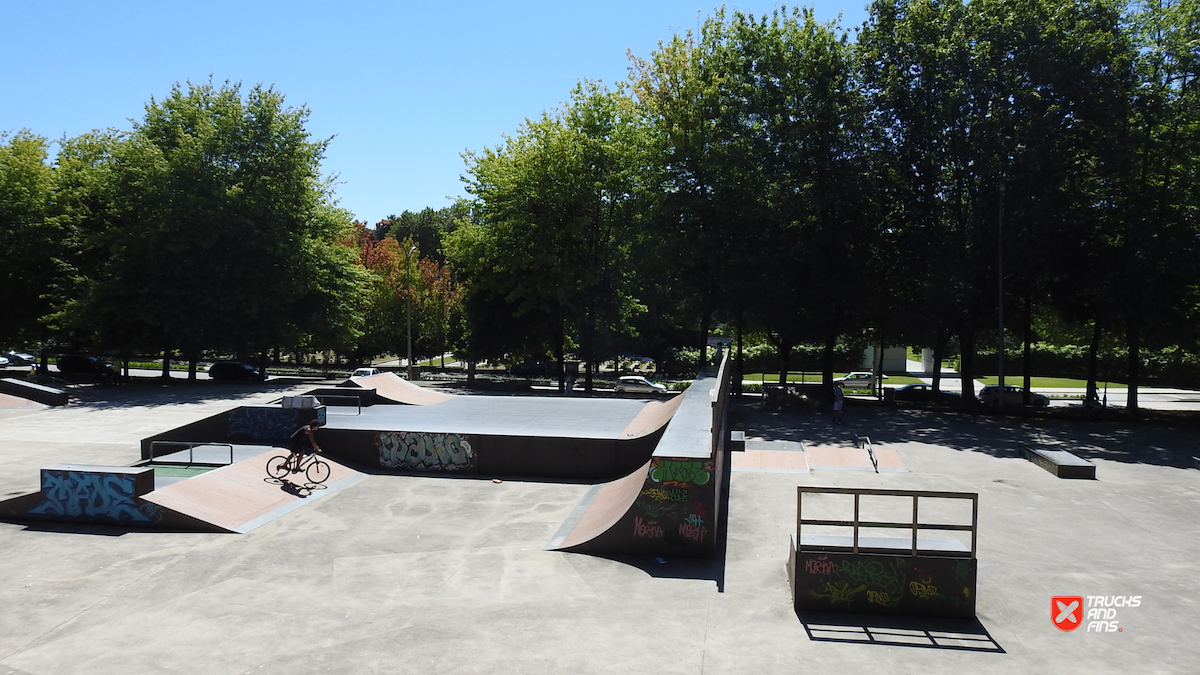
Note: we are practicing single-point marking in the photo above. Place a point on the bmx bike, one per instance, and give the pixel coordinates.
(313, 468)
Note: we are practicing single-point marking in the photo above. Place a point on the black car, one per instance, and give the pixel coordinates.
(235, 370)
(926, 394)
(533, 369)
(79, 364)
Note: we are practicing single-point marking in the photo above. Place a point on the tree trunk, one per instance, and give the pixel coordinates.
(939, 347)
(967, 364)
(1134, 364)
(1027, 366)
(166, 364)
(193, 357)
(702, 362)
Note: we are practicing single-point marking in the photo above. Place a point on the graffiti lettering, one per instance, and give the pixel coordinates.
(92, 497)
(682, 473)
(672, 495)
(888, 579)
(839, 592)
(923, 591)
(424, 452)
(650, 509)
(262, 424)
(695, 519)
(693, 532)
(880, 598)
(650, 530)
(822, 566)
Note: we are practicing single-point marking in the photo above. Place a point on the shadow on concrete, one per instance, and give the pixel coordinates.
(899, 631)
(1127, 442)
(154, 392)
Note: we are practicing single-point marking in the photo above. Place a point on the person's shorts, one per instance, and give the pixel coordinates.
(302, 449)
(837, 406)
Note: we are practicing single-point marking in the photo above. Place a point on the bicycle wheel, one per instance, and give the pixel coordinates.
(277, 467)
(318, 471)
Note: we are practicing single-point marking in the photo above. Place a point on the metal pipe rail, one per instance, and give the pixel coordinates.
(865, 442)
(914, 525)
(189, 446)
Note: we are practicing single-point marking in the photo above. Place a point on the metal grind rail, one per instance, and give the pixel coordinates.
(914, 525)
(865, 442)
(189, 446)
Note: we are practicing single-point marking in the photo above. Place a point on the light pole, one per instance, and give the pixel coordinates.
(408, 303)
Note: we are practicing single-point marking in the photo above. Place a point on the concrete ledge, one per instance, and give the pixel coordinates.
(1060, 462)
(34, 392)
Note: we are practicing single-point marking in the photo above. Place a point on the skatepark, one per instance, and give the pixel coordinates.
(451, 573)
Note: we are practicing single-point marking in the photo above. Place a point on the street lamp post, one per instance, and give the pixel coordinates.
(408, 303)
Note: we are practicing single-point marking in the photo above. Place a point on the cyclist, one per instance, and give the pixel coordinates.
(302, 442)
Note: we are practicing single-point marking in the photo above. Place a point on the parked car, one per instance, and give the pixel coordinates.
(926, 394)
(637, 384)
(235, 370)
(16, 358)
(80, 364)
(3, 362)
(533, 368)
(857, 380)
(1013, 396)
(366, 372)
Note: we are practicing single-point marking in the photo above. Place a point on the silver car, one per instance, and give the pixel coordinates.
(637, 384)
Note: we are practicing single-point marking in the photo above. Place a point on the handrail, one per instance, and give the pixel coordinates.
(190, 446)
(914, 525)
(861, 441)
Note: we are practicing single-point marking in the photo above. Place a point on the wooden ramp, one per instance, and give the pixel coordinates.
(241, 496)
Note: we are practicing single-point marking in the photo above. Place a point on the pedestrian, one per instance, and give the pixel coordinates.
(839, 399)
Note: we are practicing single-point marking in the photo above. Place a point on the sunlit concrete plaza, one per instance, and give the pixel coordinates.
(415, 574)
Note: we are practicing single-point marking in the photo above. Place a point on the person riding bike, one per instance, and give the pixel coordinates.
(302, 442)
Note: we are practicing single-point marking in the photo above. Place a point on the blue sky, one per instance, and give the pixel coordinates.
(405, 87)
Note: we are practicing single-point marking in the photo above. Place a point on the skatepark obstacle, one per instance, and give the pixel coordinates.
(912, 575)
(1060, 462)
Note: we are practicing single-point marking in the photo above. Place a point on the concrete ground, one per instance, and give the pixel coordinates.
(403, 574)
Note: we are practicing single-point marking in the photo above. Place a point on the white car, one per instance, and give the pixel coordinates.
(637, 384)
(366, 372)
(857, 380)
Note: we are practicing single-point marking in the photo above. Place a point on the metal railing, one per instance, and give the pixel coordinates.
(914, 526)
(865, 442)
(189, 446)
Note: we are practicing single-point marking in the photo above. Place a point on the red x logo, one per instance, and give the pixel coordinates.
(1066, 611)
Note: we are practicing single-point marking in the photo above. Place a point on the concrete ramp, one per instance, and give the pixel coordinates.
(671, 505)
(241, 497)
(391, 387)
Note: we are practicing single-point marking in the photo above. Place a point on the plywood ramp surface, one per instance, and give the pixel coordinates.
(609, 502)
(241, 496)
(395, 388)
(653, 417)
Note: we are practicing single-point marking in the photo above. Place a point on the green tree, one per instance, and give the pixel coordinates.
(36, 253)
(221, 233)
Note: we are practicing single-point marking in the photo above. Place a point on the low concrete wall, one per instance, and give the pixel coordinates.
(33, 392)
